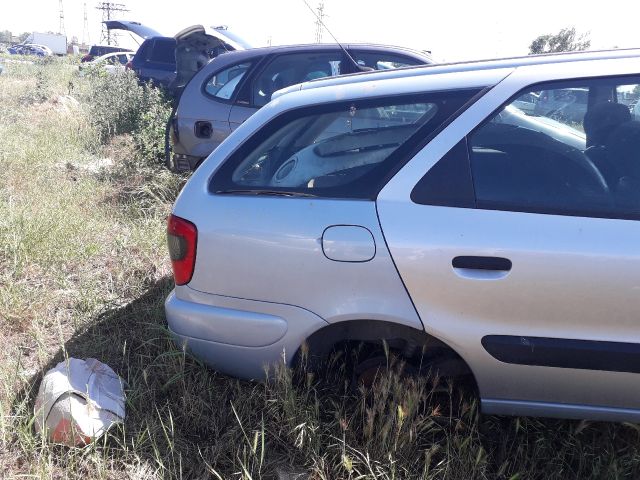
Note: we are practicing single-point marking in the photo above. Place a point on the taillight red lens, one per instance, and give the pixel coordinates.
(182, 238)
(129, 65)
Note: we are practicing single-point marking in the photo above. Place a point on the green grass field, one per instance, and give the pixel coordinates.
(84, 273)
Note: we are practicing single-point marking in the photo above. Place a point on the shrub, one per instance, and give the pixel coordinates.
(118, 105)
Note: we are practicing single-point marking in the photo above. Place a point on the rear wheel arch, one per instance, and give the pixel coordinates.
(409, 342)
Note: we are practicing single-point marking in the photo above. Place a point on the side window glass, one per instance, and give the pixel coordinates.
(164, 51)
(573, 152)
(448, 183)
(288, 70)
(224, 83)
(383, 61)
(344, 150)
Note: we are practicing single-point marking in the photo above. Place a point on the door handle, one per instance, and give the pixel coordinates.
(498, 264)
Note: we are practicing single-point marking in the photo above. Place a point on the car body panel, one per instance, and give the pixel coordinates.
(235, 234)
(566, 282)
(243, 350)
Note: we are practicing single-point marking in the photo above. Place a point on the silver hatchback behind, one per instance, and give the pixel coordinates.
(422, 208)
(232, 87)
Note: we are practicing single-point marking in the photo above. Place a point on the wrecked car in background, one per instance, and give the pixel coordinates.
(170, 62)
(232, 87)
(111, 62)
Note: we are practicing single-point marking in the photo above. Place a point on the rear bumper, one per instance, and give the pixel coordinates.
(238, 337)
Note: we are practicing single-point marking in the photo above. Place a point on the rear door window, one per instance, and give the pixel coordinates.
(286, 70)
(577, 154)
(342, 150)
(383, 60)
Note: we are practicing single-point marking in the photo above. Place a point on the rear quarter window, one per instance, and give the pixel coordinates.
(340, 150)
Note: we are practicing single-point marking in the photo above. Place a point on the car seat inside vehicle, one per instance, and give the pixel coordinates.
(599, 121)
(623, 150)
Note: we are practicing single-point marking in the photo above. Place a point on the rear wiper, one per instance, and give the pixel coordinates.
(279, 193)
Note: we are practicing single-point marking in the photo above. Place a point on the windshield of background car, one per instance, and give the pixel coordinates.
(335, 150)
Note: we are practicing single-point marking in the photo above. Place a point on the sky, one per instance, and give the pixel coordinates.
(452, 30)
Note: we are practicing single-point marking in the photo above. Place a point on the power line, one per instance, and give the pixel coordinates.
(319, 22)
(86, 38)
(61, 28)
(107, 9)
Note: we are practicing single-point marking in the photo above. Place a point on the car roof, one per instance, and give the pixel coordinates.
(467, 66)
(334, 46)
(262, 51)
(239, 55)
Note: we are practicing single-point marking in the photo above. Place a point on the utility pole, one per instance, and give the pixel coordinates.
(61, 28)
(319, 23)
(86, 39)
(107, 9)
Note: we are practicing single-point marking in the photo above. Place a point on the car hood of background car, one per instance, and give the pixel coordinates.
(133, 27)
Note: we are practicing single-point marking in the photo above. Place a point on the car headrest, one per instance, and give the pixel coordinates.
(601, 119)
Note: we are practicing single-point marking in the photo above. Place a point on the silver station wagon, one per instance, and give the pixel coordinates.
(423, 208)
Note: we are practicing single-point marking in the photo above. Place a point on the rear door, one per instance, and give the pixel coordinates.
(159, 64)
(523, 255)
(282, 71)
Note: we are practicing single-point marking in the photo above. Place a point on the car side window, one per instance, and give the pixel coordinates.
(574, 153)
(290, 69)
(341, 150)
(163, 51)
(383, 60)
(223, 84)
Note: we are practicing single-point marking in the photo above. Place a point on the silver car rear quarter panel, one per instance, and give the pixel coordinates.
(270, 249)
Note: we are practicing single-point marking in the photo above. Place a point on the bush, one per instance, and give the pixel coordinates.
(118, 105)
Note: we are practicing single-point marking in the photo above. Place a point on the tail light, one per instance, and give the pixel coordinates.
(182, 237)
(129, 65)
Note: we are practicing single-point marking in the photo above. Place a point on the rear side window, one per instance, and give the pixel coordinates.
(341, 150)
(223, 84)
(163, 51)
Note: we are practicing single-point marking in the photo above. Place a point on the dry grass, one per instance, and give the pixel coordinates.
(83, 272)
